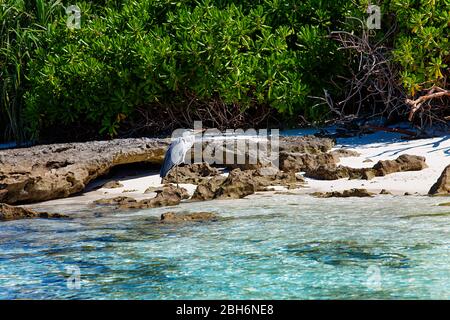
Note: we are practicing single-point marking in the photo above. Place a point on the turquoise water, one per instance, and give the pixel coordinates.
(268, 247)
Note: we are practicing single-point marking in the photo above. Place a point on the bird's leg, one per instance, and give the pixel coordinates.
(176, 176)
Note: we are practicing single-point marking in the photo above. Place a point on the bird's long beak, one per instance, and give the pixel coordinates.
(196, 131)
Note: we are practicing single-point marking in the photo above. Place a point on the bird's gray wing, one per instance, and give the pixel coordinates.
(173, 157)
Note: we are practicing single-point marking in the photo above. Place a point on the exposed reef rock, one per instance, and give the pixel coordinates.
(343, 194)
(442, 185)
(191, 173)
(173, 217)
(168, 195)
(240, 183)
(8, 212)
(56, 171)
(381, 168)
(306, 144)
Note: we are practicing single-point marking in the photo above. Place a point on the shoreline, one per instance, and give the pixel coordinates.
(374, 147)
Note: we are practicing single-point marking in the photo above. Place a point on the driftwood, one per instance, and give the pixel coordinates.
(433, 93)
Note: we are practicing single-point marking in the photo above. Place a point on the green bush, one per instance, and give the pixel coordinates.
(422, 46)
(132, 54)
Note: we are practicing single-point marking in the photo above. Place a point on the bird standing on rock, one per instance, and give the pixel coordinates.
(176, 153)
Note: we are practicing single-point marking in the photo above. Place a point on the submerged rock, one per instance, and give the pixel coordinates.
(188, 216)
(8, 212)
(56, 171)
(442, 185)
(344, 194)
(191, 173)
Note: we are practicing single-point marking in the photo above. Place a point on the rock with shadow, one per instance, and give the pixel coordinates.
(8, 212)
(442, 185)
(194, 173)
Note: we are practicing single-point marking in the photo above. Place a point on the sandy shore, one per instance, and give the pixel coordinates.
(374, 147)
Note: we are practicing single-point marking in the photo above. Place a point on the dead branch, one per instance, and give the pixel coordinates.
(433, 93)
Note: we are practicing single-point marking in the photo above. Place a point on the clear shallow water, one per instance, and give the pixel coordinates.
(271, 247)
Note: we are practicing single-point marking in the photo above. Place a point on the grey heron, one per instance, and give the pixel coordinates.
(176, 153)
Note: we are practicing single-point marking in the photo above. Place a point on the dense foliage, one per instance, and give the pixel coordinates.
(423, 46)
(154, 64)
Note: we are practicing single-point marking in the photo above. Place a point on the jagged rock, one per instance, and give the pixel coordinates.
(191, 173)
(381, 168)
(188, 216)
(237, 185)
(112, 184)
(271, 176)
(56, 171)
(168, 195)
(384, 191)
(344, 194)
(8, 212)
(442, 185)
(240, 183)
(306, 144)
(208, 189)
(260, 155)
(340, 172)
(306, 162)
(405, 162)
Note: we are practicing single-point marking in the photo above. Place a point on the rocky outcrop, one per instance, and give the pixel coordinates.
(168, 195)
(56, 171)
(237, 185)
(306, 144)
(287, 146)
(240, 183)
(8, 212)
(207, 190)
(405, 162)
(191, 173)
(173, 217)
(442, 185)
(297, 162)
(381, 168)
(330, 172)
(343, 194)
